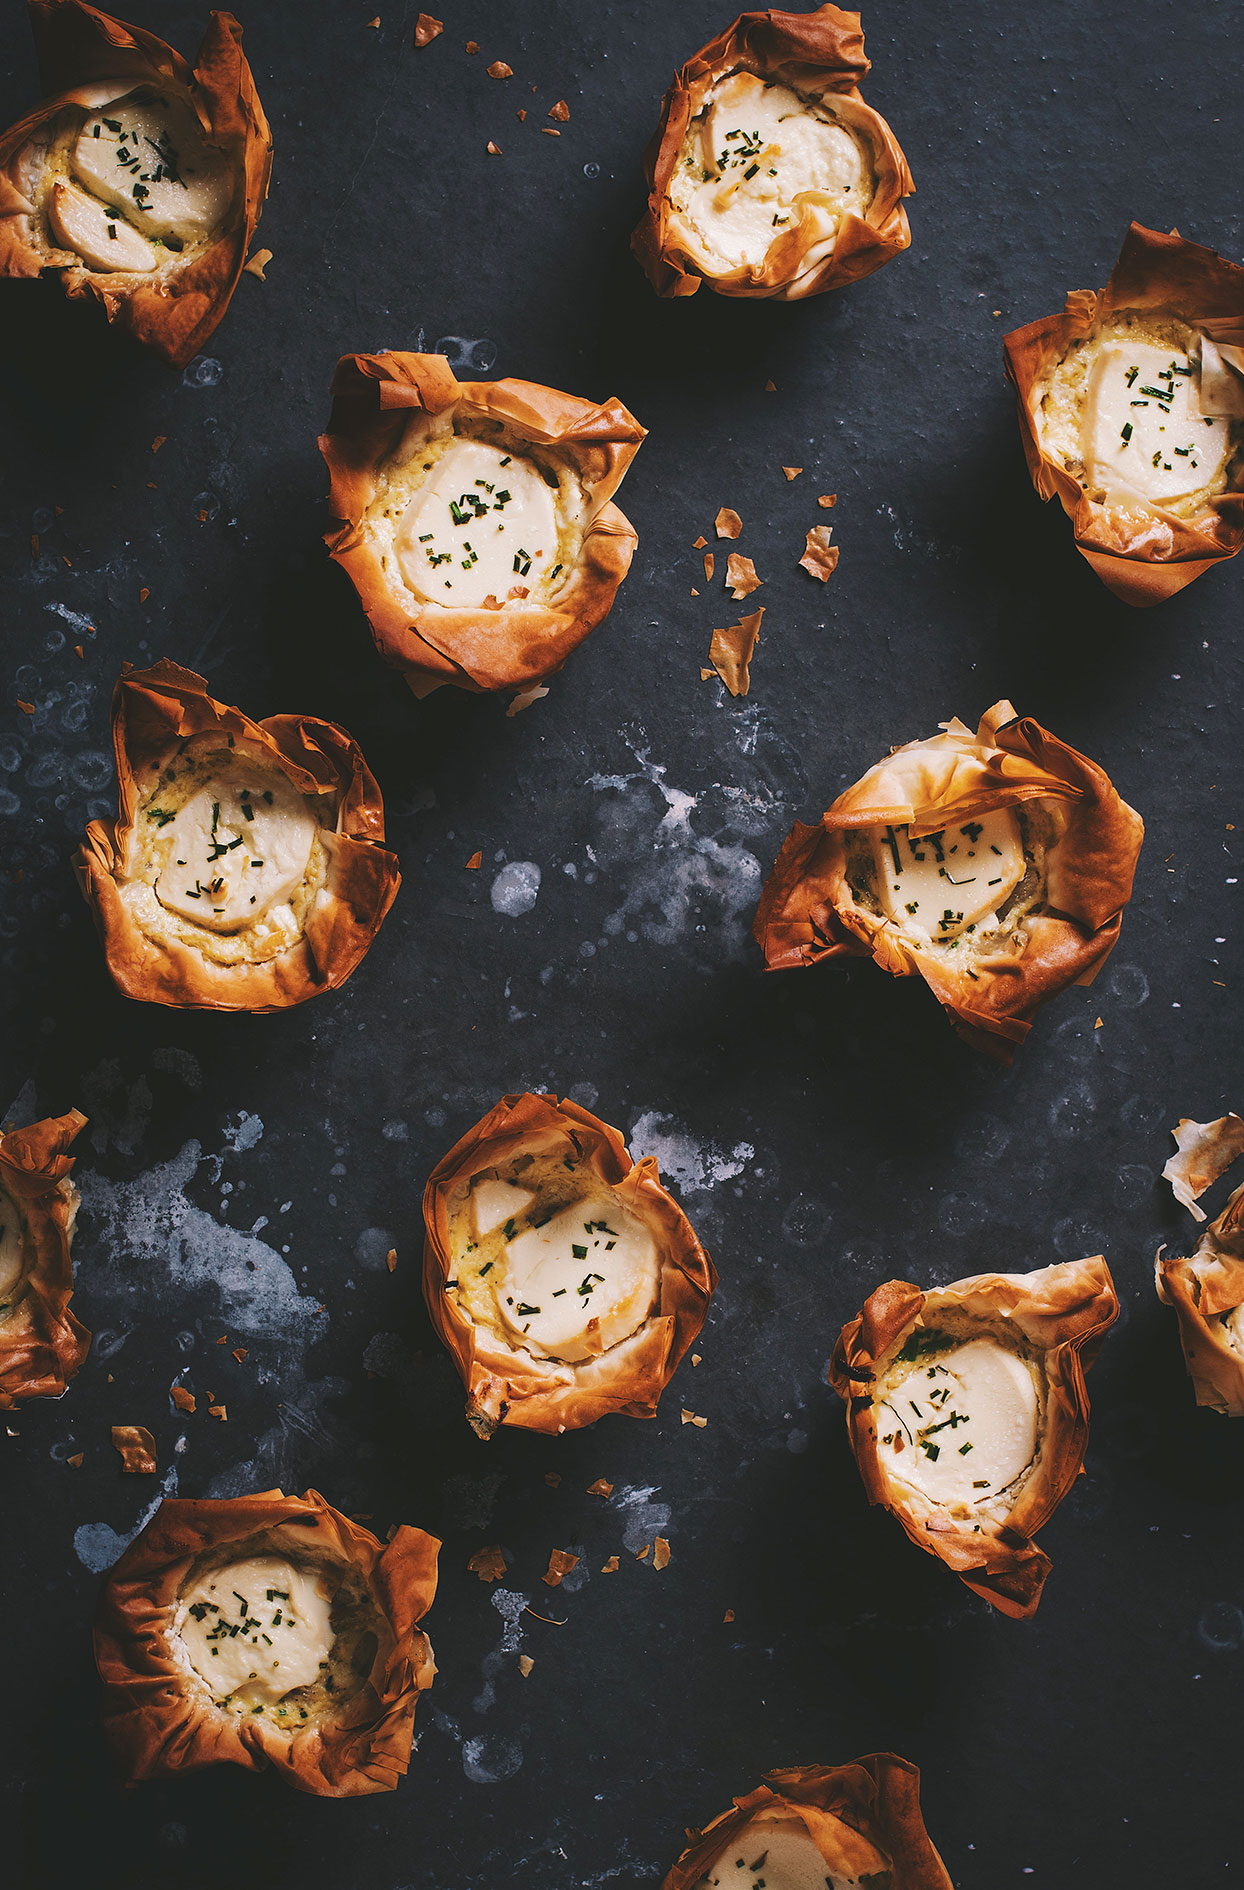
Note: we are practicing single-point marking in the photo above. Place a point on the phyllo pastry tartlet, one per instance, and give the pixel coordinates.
(476, 517)
(1207, 1289)
(819, 1827)
(769, 175)
(267, 1629)
(561, 1276)
(139, 180)
(246, 869)
(41, 1343)
(968, 1414)
(995, 866)
(1131, 408)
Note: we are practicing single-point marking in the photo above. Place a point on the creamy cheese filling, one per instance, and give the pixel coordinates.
(257, 1629)
(754, 161)
(777, 1854)
(1143, 425)
(950, 882)
(1122, 410)
(225, 851)
(547, 1255)
(958, 1420)
(473, 519)
(132, 187)
(482, 524)
(12, 1253)
(146, 156)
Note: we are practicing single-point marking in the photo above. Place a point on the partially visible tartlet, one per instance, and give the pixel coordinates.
(1207, 1288)
(809, 1827)
(475, 517)
(968, 1413)
(139, 180)
(41, 1343)
(769, 176)
(563, 1279)
(266, 1629)
(246, 869)
(1131, 408)
(993, 865)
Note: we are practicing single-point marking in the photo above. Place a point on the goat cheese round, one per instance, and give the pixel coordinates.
(1143, 428)
(146, 156)
(960, 1424)
(260, 1627)
(554, 1262)
(482, 524)
(778, 1854)
(752, 160)
(99, 235)
(951, 882)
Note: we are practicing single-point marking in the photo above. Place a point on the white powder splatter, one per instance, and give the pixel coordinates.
(510, 1606)
(98, 1546)
(694, 1166)
(644, 1519)
(244, 1133)
(516, 888)
(148, 1236)
(491, 1757)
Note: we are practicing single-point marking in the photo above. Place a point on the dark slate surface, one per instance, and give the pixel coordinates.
(825, 1132)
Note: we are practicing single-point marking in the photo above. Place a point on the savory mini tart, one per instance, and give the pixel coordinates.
(1131, 407)
(995, 866)
(139, 180)
(267, 1629)
(1207, 1290)
(476, 523)
(246, 869)
(561, 1276)
(968, 1414)
(769, 175)
(813, 1826)
(41, 1343)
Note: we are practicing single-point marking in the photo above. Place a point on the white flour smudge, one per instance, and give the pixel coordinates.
(516, 888)
(694, 1166)
(643, 1519)
(98, 1546)
(509, 1605)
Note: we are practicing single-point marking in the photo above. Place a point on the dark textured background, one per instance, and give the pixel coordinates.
(246, 1176)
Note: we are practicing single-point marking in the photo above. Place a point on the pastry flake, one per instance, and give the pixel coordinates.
(246, 869)
(561, 1276)
(139, 180)
(769, 175)
(41, 1343)
(995, 866)
(1131, 409)
(266, 1629)
(968, 1414)
(811, 1825)
(476, 517)
(1203, 1152)
(1207, 1292)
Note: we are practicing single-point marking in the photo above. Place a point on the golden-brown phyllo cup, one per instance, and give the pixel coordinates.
(995, 866)
(968, 1413)
(266, 1629)
(476, 517)
(562, 1278)
(814, 1825)
(1131, 408)
(246, 869)
(139, 180)
(769, 175)
(41, 1343)
(1207, 1289)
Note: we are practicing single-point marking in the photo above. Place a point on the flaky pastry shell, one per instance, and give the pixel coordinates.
(820, 55)
(1201, 1288)
(851, 1812)
(375, 397)
(41, 1343)
(506, 1384)
(161, 1722)
(1063, 1312)
(154, 709)
(808, 912)
(87, 58)
(1143, 561)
